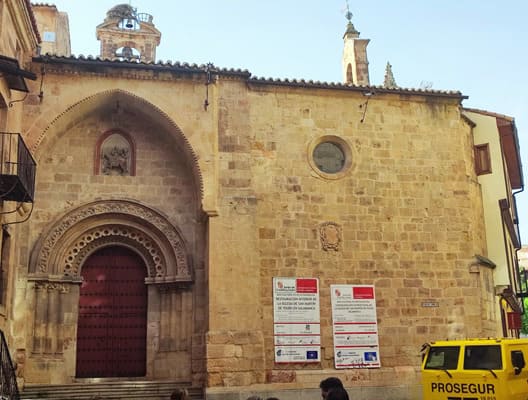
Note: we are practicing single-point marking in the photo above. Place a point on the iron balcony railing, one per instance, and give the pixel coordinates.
(17, 169)
(8, 382)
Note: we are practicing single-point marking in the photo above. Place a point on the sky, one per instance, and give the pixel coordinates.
(478, 47)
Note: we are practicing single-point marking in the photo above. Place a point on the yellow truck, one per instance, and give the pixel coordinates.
(475, 369)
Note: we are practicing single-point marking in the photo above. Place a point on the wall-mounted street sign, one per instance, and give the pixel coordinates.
(430, 303)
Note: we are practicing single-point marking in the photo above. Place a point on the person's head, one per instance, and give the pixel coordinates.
(337, 394)
(179, 394)
(254, 398)
(330, 383)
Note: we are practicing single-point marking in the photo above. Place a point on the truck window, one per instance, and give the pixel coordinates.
(482, 357)
(442, 357)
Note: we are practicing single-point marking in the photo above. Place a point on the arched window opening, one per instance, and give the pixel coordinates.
(127, 53)
(349, 74)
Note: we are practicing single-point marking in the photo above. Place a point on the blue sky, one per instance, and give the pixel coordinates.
(478, 47)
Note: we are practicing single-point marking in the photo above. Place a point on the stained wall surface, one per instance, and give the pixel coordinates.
(237, 180)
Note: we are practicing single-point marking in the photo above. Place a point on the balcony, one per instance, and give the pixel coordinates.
(17, 169)
(8, 381)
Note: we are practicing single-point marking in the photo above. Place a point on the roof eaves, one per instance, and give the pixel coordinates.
(342, 86)
(33, 20)
(168, 66)
(488, 113)
(471, 123)
(48, 5)
(15, 76)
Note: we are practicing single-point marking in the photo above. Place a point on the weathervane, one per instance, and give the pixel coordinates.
(348, 14)
(350, 26)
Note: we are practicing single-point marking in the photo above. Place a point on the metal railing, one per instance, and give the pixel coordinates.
(8, 382)
(17, 169)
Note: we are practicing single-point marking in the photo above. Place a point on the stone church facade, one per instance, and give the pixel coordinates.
(194, 186)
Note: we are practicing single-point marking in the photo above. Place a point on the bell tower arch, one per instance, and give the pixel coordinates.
(355, 61)
(128, 35)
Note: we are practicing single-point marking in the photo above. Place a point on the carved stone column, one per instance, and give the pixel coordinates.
(50, 329)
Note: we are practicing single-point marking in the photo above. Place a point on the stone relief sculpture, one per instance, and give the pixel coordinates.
(115, 156)
(330, 234)
(115, 161)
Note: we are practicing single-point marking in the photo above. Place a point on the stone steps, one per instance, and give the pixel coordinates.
(109, 390)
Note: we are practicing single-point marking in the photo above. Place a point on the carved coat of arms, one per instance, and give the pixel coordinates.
(330, 234)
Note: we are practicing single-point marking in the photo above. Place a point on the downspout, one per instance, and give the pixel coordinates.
(522, 294)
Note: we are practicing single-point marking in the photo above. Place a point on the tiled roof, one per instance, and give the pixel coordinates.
(371, 89)
(202, 68)
(50, 5)
(33, 20)
(489, 113)
(159, 65)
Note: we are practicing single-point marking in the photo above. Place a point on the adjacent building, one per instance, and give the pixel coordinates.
(18, 40)
(499, 171)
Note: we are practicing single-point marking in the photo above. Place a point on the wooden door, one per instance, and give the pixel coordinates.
(111, 332)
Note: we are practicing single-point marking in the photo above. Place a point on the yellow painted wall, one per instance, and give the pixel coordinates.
(493, 189)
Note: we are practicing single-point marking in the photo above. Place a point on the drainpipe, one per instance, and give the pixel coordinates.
(523, 294)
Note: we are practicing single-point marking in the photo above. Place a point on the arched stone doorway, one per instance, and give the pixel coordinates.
(112, 323)
(62, 260)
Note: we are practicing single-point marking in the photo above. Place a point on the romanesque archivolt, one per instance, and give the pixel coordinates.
(115, 234)
(330, 235)
(62, 250)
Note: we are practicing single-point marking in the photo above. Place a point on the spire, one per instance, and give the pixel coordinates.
(350, 26)
(354, 61)
(389, 82)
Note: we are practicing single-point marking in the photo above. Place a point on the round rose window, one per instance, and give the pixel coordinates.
(329, 157)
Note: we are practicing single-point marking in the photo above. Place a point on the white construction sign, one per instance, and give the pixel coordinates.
(356, 343)
(297, 325)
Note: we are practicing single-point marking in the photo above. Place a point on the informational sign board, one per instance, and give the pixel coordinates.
(297, 325)
(356, 343)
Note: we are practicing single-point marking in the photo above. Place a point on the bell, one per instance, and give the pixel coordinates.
(127, 53)
(129, 24)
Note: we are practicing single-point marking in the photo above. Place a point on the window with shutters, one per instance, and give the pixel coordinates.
(482, 159)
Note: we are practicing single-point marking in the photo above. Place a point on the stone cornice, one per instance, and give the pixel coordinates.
(99, 66)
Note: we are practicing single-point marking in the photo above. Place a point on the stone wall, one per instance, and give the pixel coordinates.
(408, 209)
